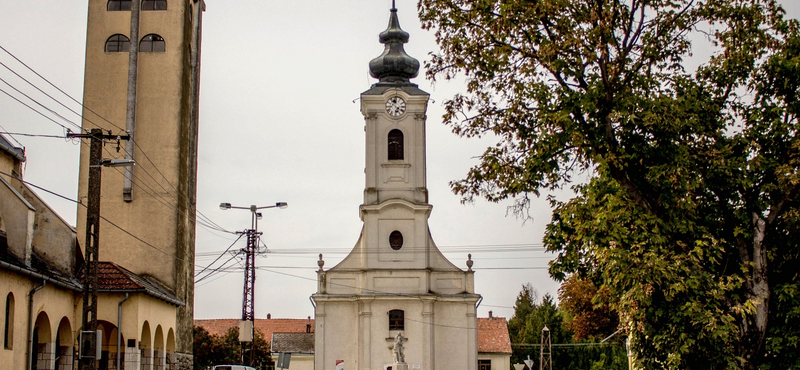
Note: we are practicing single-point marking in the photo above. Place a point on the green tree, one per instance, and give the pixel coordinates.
(692, 196)
(210, 349)
(523, 307)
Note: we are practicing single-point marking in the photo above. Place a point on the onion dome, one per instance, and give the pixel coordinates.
(394, 65)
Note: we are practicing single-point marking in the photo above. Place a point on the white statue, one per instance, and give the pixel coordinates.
(397, 350)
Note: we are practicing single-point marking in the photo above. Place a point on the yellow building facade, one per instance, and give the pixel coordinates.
(41, 292)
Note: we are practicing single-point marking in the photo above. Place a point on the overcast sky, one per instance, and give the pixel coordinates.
(280, 121)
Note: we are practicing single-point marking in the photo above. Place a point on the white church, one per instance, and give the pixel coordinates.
(395, 302)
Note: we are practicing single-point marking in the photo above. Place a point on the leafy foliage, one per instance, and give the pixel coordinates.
(210, 349)
(587, 310)
(525, 330)
(687, 217)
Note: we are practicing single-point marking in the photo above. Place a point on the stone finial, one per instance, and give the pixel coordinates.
(469, 262)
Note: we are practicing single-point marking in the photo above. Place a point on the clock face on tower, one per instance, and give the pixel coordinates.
(395, 106)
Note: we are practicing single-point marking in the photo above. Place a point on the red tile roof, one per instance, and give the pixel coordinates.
(265, 326)
(493, 335)
(115, 278)
(492, 332)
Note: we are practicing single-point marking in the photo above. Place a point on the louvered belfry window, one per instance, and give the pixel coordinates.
(395, 145)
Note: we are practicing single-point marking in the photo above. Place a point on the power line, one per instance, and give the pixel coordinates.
(40, 104)
(34, 109)
(199, 215)
(101, 217)
(220, 256)
(31, 135)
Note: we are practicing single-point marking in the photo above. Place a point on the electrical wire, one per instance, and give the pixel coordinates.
(34, 109)
(199, 215)
(103, 218)
(220, 256)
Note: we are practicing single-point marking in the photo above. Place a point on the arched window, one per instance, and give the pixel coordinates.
(396, 320)
(117, 44)
(117, 5)
(395, 145)
(8, 330)
(154, 5)
(152, 43)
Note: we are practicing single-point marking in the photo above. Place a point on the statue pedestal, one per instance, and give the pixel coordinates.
(399, 366)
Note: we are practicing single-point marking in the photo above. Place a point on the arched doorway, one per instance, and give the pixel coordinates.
(64, 345)
(171, 363)
(146, 348)
(43, 349)
(108, 346)
(159, 355)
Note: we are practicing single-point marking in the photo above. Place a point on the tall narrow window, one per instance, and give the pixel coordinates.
(396, 320)
(152, 43)
(117, 5)
(154, 5)
(118, 43)
(8, 329)
(395, 144)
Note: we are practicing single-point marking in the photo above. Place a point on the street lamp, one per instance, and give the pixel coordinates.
(246, 326)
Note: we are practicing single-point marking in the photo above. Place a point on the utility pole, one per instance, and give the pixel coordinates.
(248, 295)
(89, 349)
(247, 325)
(545, 351)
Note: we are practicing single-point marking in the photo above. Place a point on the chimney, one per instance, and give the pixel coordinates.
(490, 315)
(269, 316)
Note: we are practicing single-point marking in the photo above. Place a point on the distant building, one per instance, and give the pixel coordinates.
(494, 343)
(296, 350)
(395, 283)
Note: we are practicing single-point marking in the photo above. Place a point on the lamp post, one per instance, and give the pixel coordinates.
(89, 346)
(246, 326)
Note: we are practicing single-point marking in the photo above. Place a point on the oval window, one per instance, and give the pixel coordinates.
(396, 240)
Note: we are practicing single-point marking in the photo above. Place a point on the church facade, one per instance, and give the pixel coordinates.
(395, 301)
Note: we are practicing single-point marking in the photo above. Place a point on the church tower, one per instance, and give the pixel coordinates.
(141, 76)
(395, 286)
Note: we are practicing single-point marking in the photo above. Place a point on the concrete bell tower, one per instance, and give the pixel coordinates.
(142, 77)
(395, 300)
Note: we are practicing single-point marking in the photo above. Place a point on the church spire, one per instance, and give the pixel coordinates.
(394, 65)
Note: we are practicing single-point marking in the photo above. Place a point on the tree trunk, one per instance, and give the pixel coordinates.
(754, 323)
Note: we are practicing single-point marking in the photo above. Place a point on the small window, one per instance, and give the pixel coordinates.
(118, 44)
(396, 240)
(395, 145)
(484, 364)
(8, 330)
(396, 320)
(154, 5)
(152, 44)
(118, 5)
